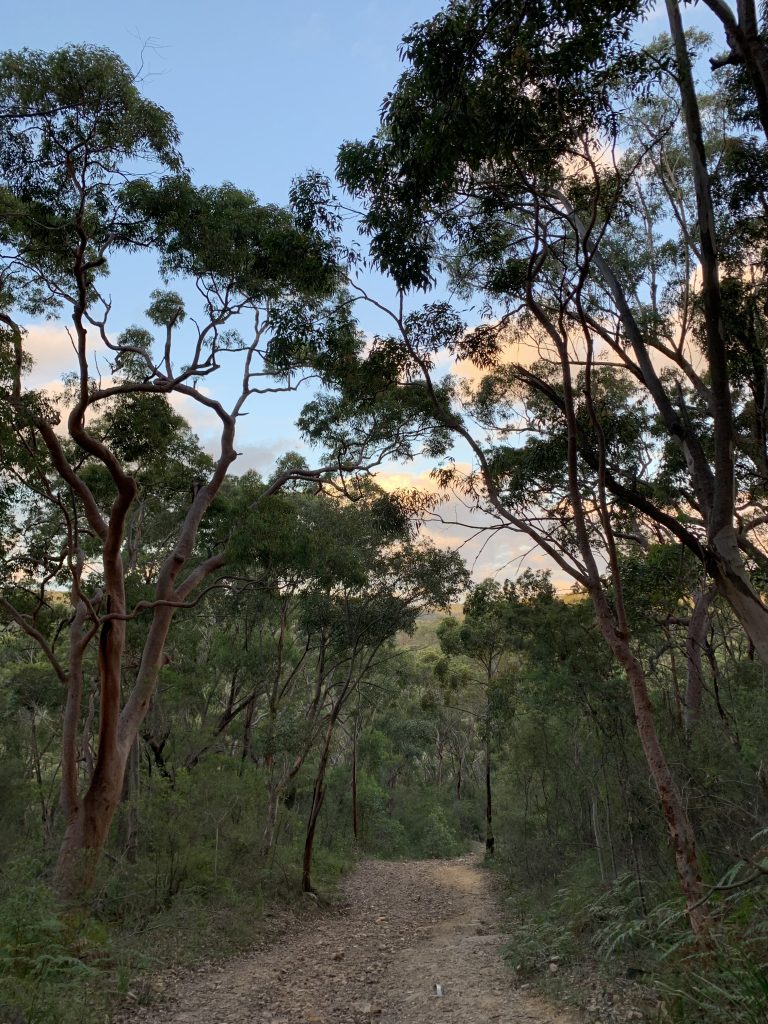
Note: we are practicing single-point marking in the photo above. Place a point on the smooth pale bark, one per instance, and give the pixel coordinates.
(713, 485)
(614, 627)
(726, 565)
(590, 575)
(748, 47)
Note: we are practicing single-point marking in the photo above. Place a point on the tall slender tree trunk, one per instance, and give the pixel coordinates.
(595, 813)
(725, 563)
(694, 645)
(318, 796)
(678, 698)
(46, 812)
(355, 821)
(680, 830)
(616, 633)
(490, 842)
(273, 804)
(129, 837)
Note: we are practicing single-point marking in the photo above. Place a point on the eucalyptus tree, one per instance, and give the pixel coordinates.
(90, 169)
(514, 155)
(323, 560)
(536, 181)
(361, 618)
(547, 490)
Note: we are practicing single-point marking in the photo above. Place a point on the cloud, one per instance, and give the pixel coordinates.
(203, 421)
(262, 457)
(50, 347)
(487, 548)
(404, 478)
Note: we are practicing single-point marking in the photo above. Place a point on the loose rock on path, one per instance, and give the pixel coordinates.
(403, 929)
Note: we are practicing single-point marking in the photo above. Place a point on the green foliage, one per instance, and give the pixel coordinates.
(287, 682)
(620, 927)
(732, 989)
(72, 119)
(485, 83)
(54, 968)
(225, 235)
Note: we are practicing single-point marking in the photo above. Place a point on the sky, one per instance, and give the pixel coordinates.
(261, 92)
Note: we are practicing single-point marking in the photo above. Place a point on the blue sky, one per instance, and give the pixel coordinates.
(260, 90)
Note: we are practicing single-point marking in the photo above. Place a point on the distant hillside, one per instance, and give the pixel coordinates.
(425, 634)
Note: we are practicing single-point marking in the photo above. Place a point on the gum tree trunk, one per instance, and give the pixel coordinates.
(318, 796)
(490, 842)
(680, 830)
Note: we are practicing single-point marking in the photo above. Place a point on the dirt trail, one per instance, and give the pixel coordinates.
(402, 929)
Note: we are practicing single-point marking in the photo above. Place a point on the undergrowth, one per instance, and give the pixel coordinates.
(65, 967)
(197, 888)
(627, 929)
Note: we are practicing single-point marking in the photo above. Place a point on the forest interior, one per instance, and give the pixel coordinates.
(281, 741)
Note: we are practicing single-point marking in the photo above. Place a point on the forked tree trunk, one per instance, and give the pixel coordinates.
(724, 561)
(318, 796)
(616, 634)
(87, 830)
(277, 787)
(90, 817)
(734, 585)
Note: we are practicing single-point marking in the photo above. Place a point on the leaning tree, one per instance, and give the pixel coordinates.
(90, 180)
(515, 155)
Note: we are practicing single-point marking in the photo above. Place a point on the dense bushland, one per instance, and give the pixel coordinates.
(208, 701)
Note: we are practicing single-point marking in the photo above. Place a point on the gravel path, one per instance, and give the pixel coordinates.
(402, 929)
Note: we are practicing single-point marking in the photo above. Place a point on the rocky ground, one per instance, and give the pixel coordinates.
(412, 942)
